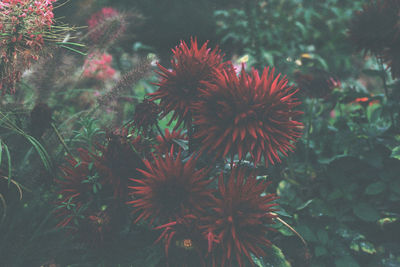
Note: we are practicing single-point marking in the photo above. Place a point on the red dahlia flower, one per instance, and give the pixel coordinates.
(239, 223)
(179, 87)
(247, 114)
(170, 189)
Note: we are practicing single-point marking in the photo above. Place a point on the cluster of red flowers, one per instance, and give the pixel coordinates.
(246, 116)
(98, 66)
(232, 115)
(222, 225)
(23, 26)
(376, 29)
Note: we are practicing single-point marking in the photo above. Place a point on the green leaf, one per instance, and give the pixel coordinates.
(375, 188)
(8, 162)
(275, 258)
(396, 153)
(346, 261)
(73, 50)
(372, 73)
(366, 212)
(305, 204)
(320, 251)
(323, 236)
(395, 187)
(184, 144)
(374, 113)
(306, 233)
(1, 150)
(367, 247)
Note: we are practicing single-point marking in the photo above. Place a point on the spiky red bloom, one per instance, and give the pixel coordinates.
(170, 189)
(374, 28)
(165, 143)
(247, 114)
(241, 215)
(179, 87)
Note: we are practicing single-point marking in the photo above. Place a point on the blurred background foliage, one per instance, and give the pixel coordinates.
(340, 190)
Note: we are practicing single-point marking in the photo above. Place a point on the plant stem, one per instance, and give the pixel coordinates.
(61, 139)
(252, 21)
(161, 133)
(385, 88)
(190, 134)
(308, 132)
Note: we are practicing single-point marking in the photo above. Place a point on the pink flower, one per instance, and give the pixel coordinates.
(98, 66)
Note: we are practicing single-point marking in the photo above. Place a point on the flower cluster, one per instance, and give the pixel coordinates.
(24, 25)
(98, 66)
(376, 29)
(219, 225)
(178, 182)
(249, 114)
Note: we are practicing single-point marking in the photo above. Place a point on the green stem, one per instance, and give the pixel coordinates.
(61, 139)
(250, 6)
(308, 132)
(190, 135)
(385, 87)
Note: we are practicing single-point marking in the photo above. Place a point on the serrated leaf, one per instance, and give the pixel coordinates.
(366, 212)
